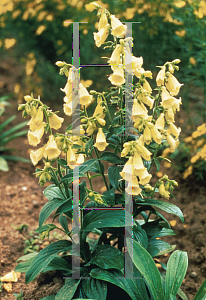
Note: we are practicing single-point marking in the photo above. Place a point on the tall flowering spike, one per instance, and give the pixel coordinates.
(172, 84)
(71, 158)
(85, 97)
(51, 150)
(174, 130)
(34, 137)
(101, 36)
(117, 78)
(103, 21)
(37, 155)
(163, 191)
(118, 29)
(101, 143)
(156, 135)
(160, 79)
(55, 122)
(115, 60)
(145, 177)
(160, 122)
(147, 135)
(133, 187)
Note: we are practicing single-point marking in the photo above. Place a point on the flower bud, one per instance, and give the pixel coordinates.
(27, 98)
(59, 63)
(176, 61)
(47, 164)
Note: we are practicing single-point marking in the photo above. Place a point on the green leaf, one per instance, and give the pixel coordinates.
(44, 257)
(201, 293)
(82, 192)
(140, 235)
(110, 197)
(105, 218)
(176, 270)
(48, 208)
(27, 256)
(166, 206)
(65, 207)
(12, 137)
(51, 297)
(63, 222)
(89, 143)
(59, 263)
(53, 191)
(149, 270)
(107, 257)
(14, 129)
(157, 164)
(46, 227)
(114, 176)
(17, 158)
(8, 121)
(86, 166)
(159, 247)
(68, 290)
(111, 157)
(3, 165)
(22, 267)
(172, 297)
(95, 288)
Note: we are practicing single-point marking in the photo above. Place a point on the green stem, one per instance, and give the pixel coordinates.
(155, 155)
(121, 116)
(57, 182)
(156, 103)
(102, 173)
(108, 112)
(154, 189)
(90, 181)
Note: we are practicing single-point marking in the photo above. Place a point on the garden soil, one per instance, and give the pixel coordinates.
(21, 201)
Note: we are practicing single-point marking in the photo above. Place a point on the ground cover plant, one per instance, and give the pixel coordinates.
(133, 149)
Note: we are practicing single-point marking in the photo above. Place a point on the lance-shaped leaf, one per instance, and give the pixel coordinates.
(95, 288)
(68, 290)
(201, 294)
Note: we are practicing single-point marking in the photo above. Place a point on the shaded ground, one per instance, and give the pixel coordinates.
(22, 200)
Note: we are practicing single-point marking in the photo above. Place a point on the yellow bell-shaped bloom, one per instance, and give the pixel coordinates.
(68, 88)
(37, 155)
(80, 159)
(118, 29)
(55, 122)
(172, 142)
(103, 21)
(51, 150)
(167, 99)
(34, 137)
(137, 63)
(174, 130)
(90, 129)
(173, 85)
(127, 171)
(161, 77)
(71, 157)
(169, 115)
(156, 135)
(133, 187)
(101, 36)
(163, 191)
(115, 60)
(147, 135)
(84, 96)
(37, 120)
(101, 121)
(142, 150)
(146, 100)
(138, 110)
(70, 106)
(101, 143)
(145, 178)
(147, 87)
(138, 165)
(117, 78)
(99, 111)
(177, 103)
(160, 122)
(125, 151)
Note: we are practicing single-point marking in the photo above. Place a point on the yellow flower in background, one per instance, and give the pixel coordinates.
(187, 172)
(147, 135)
(34, 137)
(101, 36)
(117, 78)
(163, 191)
(129, 13)
(55, 122)
(71, 158)
(161, 77)
(172, 84)
(51, 150)
(179, 3)
(29, 67)
(195, 158)
(174, 130)
(180, 33)
(101, 142)
(40, 29)
(8, 43)
(103, 21)
(118, 29)
(90, 7)
(84, 97)
(145, 178)
(156, 135)
(37, 155)
(115, 60)
(133, 187)
(160, 122)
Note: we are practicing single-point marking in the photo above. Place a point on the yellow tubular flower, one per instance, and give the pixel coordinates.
(145, 177)
(101, 143)
(84, 96)
(34, 137)
(118, 29)
(103, 21)
(137, 63)
(91, 128)
(71, 158)
(174, 130)
(156, 135)
(138, 165)
(37, 155)
(138, 111)
(80, 159)
(163, 191)
(33, 111)
(169, 115)
(173, 85)
(70, 106)
(147, 87)
(68, 88)
(177, 103)
(115, 60)
(125, 151)
(133, 187)
(101, 121)
(99, 111)
(51, 150)
(143, 151)
(172, 142)
(167, 99)
(101, 36)
(161, 77)
(147, 135)
(160, 122)
(55, 122)
(117, 78)
(127, 171)
(147, 100)
(37, 120)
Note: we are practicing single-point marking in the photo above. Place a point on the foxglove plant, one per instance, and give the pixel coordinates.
(132, 153)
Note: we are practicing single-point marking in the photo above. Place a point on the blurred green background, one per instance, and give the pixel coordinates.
(34, 36)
